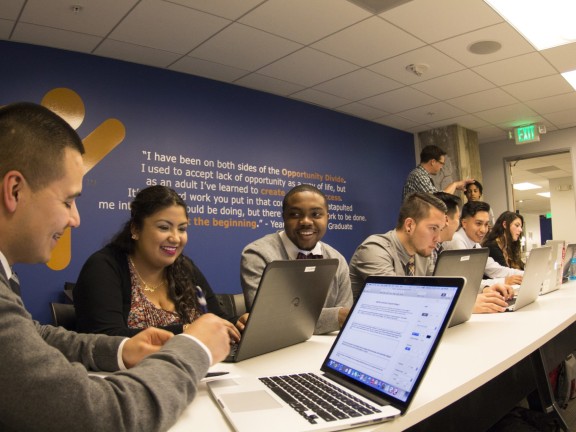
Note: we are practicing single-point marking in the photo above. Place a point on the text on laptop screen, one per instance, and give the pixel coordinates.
(389, 334)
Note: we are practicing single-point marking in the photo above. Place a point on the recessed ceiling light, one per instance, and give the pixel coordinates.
(570, 77)
(485, 47)
(544, 24)
(526, 186)
(544, 194)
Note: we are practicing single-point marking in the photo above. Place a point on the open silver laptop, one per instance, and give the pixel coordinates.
(290, 297)
(469, 264)
(534, 273)
(568, 255)
(370, 374)
(553, 279)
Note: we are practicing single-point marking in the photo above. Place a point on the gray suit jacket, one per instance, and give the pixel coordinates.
(381, 255)
(45, 385)
(270, 248)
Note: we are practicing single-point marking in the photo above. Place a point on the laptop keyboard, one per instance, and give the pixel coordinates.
(231, 357)
(314, 398)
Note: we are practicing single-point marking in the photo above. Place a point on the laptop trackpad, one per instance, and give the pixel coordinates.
(249, 401)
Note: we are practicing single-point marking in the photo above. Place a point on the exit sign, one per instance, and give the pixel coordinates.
(526, 134)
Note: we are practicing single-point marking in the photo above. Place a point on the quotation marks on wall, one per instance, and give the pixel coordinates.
(237, 194)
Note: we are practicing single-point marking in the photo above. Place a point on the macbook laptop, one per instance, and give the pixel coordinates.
(469, 264)
(553, 279)
(534, 274)
(287, 305)
(370, 374)
(568, 255)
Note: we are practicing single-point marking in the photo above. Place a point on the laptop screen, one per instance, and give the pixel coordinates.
(569, 254)
(391, 333)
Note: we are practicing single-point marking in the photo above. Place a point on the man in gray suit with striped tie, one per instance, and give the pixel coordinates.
(44, 369)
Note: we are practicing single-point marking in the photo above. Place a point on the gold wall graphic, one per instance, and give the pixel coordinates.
(101, 141)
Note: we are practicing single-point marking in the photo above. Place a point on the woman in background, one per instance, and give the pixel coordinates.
(504, 242)
(141, 278)
(473, 192)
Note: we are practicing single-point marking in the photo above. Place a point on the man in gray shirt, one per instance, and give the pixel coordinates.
(405, 249)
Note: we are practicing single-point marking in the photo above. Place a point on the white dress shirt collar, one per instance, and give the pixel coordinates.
(293, 250)
(5, 265)
(470, 244)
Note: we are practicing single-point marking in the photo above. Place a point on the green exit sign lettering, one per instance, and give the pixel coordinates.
(526, 134)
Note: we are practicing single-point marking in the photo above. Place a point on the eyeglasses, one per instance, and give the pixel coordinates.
(441, 162)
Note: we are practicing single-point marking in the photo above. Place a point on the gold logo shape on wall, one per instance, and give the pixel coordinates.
(101, 141)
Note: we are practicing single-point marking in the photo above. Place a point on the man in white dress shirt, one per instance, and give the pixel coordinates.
(475, 221)
(491, 296)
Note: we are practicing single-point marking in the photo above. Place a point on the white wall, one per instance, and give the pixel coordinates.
(562, 209)
(496, 181)
(531, 231)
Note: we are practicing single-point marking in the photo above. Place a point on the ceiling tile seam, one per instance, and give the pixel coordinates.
(341, 29)
(362, 98)
(258, 70)
(449, 37)
(114, 27)
(101, 38)
(550, 63)
(11, 34)
(189, 52)
(216, 15)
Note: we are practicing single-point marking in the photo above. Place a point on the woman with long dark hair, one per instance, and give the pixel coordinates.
(504, 240)
(141, 278)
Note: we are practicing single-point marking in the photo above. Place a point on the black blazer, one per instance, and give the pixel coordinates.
(103, 294)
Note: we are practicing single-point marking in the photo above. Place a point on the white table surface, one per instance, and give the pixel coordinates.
(469, 355)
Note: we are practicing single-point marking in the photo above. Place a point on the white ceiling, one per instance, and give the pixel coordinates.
(331, 53)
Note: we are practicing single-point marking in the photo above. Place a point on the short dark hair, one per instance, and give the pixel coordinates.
(475, 183)
(32, 141)
(452, 202)
(302, 188)
(431, 152)
(472, 207)
(417, 206)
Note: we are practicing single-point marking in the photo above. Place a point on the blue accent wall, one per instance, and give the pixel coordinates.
(362, 165)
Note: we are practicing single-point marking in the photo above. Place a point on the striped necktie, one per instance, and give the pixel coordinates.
(15, 283)
(410, 267)
(436, 253)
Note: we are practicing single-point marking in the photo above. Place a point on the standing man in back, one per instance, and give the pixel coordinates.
(432, 160)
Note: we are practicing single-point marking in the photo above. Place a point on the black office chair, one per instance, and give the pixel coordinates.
(68, 291)
(63, 315)
(232, 304)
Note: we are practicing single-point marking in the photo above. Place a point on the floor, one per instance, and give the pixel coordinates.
(521, 419)
(569, 415)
